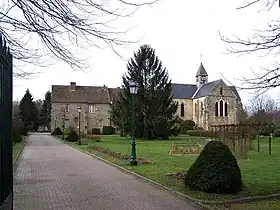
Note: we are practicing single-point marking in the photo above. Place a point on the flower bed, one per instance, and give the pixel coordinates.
(177, 176)
(121, 156)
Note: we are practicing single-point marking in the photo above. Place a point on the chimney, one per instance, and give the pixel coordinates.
(72, 86)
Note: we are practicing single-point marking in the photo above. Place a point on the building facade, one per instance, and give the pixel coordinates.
(206, 103)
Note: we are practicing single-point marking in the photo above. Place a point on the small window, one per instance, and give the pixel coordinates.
(226, 109)
(91, 108)
(216, 109)
(182, 110)
(221, 90)
(67, 108)
(221, 108)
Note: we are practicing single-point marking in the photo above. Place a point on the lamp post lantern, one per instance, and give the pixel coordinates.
(133, 88)
(79, 110)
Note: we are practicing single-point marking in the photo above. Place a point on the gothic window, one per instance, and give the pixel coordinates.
(216, 109)
(195, 109)
(221, 108)
(182, 110)
(226, 109)
(201, 108)
(221, 90)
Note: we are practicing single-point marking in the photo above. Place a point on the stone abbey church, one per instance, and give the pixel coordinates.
(206, 103)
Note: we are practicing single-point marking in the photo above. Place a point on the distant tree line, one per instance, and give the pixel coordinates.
(30, 114)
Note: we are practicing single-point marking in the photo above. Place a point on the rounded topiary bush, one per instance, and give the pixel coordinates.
(56, 132)
(73, 136)
(215, 171)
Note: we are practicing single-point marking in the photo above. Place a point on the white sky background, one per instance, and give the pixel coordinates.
(180, 31)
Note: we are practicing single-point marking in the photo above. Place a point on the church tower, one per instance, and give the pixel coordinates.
(201, 76)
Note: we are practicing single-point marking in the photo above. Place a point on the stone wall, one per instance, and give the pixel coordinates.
(88, 120)
(188, 108)
(227, 96)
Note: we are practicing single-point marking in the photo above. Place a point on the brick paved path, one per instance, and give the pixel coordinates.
(52, 175)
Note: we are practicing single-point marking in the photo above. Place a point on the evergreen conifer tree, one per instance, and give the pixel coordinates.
(155, 108)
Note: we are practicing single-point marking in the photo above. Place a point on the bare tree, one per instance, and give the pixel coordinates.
(266, 41)
(60, 24)
(263, 109)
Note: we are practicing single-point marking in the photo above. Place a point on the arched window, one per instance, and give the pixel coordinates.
(226, 109)
(221, 108)
(216, 109)
(221, 90)
(182, 110)
(201, 107)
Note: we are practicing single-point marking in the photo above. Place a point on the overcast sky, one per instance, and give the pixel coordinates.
(180, 31)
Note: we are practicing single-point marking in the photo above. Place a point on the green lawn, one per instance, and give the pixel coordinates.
(18, 147)
(260, 172)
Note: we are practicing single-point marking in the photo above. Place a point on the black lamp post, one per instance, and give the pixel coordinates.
(110, 118)
(133, 88)
(79, 109)
(63, 124)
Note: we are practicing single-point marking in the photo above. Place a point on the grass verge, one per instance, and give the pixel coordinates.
(17, 147)
(259, 172)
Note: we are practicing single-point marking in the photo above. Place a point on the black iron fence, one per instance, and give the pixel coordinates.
(6, 143)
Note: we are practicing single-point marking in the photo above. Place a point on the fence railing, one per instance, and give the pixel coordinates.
(6, 143)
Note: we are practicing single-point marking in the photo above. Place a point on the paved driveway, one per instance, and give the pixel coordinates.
(52, 175)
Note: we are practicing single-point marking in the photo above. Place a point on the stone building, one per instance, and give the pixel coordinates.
(206, 103)
(95, 102)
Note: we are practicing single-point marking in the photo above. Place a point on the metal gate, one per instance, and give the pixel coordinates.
(6, 143)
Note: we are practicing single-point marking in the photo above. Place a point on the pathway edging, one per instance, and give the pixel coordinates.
(23, 145)
(203, 203)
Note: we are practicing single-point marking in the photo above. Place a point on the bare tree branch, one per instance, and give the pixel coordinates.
(266, 42)
(60, 24)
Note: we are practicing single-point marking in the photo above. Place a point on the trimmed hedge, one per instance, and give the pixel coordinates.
(215, 171)
(108, 130)
(96, 131)
(57, 132)
(73, 136)
(202, 133)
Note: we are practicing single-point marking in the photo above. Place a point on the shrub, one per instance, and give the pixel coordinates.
(187, 125)
(215, 171)
(72, 136)
(16, 137)
(94, 138)
(108, 130)
(96, 131)
(277, 133)
(203, 133)
(56, 132)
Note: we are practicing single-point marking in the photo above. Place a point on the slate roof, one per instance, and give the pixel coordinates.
(188, 91)
(183, 91)
(206, 89)
(201, 71)
(82, 94)
(113, 93)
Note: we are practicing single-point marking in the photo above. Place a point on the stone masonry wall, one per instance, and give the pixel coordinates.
(188, 108)
(88, 120)
(229, 97)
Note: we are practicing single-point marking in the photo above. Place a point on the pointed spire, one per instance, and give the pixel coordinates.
(201, 71)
